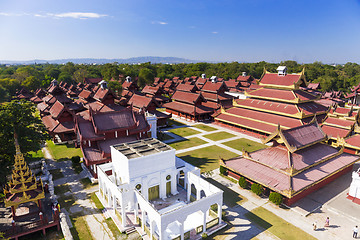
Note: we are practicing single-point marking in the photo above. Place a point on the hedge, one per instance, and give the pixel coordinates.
(276, 198)
(242, 182)
(257, 189)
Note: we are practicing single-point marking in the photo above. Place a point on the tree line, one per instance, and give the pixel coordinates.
(13, 77)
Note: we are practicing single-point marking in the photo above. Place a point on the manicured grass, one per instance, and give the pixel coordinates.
(207, 158)
(114, 229)
(63, 151)
(204, 127)
(184, 131)
(81, 230)
(246, 144)
(191, 142)
(231, 198)
(219, 136)
(172, 122)
(276, 225)
(34, 156)
(97, 202)
(56, 173)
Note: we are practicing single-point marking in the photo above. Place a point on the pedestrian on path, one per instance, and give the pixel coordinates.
(355, 231)
(327, 222)
(314, 225)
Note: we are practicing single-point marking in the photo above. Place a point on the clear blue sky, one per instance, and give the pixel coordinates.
(214, 30)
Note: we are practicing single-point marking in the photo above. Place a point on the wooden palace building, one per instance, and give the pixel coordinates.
(300, 162)
(279, 100)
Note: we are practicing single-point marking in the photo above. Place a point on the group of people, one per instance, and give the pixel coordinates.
(327, 224)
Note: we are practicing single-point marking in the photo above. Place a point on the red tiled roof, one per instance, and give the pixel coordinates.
(308, 108)
(232, 83)
(265, 117)
(314, 86)
(101, 93)
(201, 81)
(187, 97)
(36, 99)
(87, 132)
(42, 106)
(140, 101)
(339, 122)
(247, 123)
(280, 181)
(150, 90)
(305, 135)
(275, 79)
(354, 140)
(214, 87)
(113, 120)
(216, 97)
(92, 154)
(343, 111)
(187, 108)
(281, 95)
(93, 80)
(56, 110)
(334, 132)
(186, 88)
(85, 94)
(243, 78)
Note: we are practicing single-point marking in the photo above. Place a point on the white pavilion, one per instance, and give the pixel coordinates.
(147, 184)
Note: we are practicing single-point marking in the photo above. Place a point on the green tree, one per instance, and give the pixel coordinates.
(146, 76)
(18, 117)
(32, 83)
(115, 86)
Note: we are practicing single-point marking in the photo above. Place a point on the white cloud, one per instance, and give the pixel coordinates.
(159, 22)
(214, 32)
(77, 15)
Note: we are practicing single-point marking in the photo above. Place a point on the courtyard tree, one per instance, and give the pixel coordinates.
(18, 117)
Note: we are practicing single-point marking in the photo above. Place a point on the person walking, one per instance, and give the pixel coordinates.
(314, 225)
(355, 231)
(327, 222)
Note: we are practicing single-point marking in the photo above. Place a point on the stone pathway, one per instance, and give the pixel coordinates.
(83, 205)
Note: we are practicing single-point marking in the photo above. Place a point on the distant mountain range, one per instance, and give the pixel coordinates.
(133, 60)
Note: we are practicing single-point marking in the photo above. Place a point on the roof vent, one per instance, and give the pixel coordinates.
(103, 84)
(128, 79)
(244, 74)
(203, 75)
(281, 70)
(213, 79)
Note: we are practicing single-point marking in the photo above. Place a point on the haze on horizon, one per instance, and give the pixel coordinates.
(212, 30)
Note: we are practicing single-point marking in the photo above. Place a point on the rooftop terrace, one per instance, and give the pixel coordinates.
(142, 148)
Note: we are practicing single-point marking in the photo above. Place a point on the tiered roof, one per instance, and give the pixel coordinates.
(23, 186)
(301, 162)
(279, 101)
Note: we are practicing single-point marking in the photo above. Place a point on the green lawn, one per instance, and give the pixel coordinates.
(191, 142)
(81, 230)
(276, 225)
(243, 143)
(97, 202)
(204, 127)
(207, 158)
(219, 136)
(172, 122)
(184, 131)
(231, 198)
(34, 156)
(63, 151)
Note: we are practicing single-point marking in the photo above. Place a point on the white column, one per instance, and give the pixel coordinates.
(182, 230)
(136, 210)
(188, 191)
(219, 212)
(123, 214)
(143, 219)
(204, 223)
(198, 195)
(151, 229)
(174, 183)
